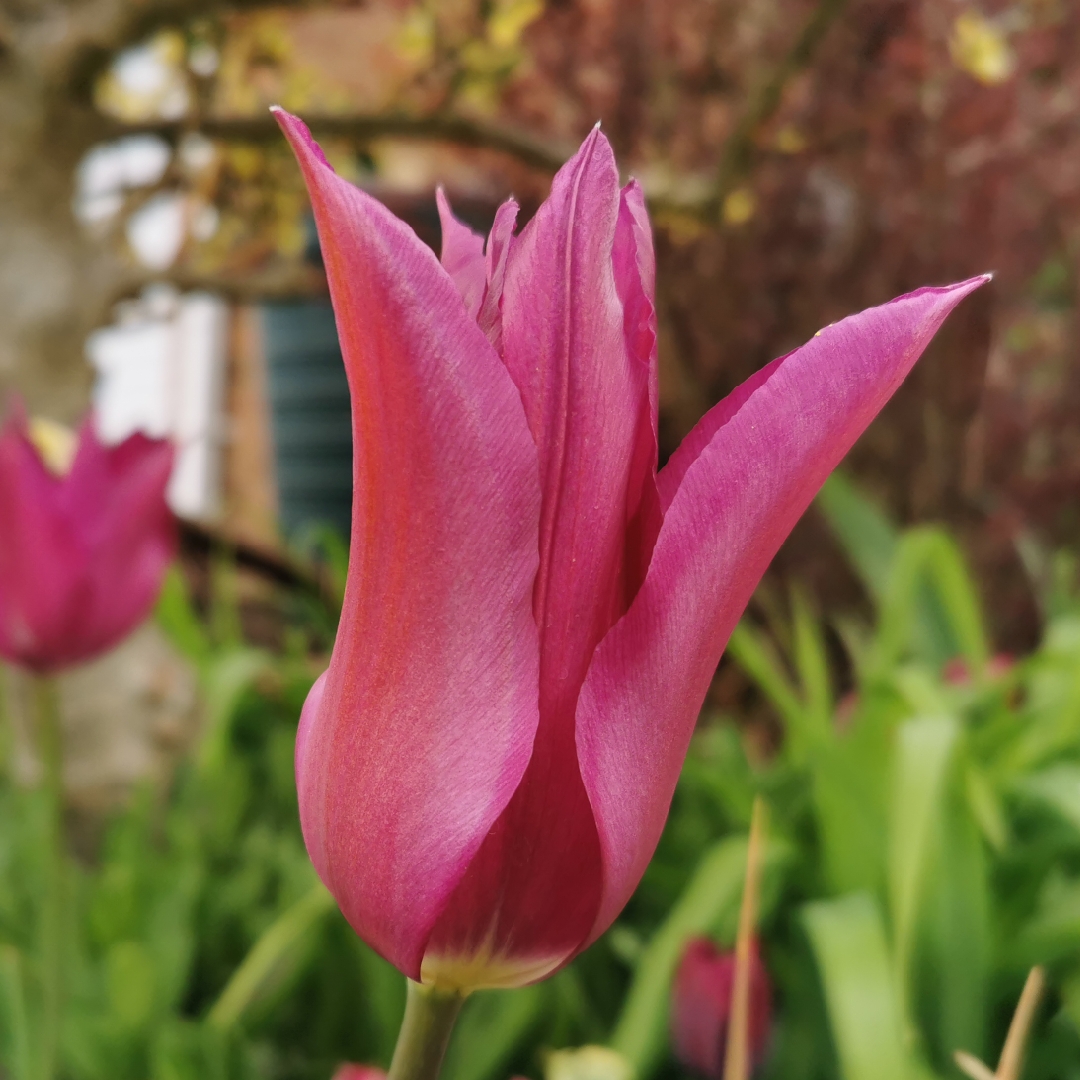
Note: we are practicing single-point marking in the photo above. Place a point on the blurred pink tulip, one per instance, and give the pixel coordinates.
(349, 1071)
(533, 614)
(83, 554)
(701, 1006)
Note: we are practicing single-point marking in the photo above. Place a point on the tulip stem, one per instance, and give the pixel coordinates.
(425, 1032)
(50, 748)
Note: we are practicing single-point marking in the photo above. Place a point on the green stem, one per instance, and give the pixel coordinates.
(425, 1032)
(50, 747)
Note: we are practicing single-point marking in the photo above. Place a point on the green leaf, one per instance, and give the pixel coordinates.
(708, 905)
(640, 1034)
(806, 722)
(849, 945)
(929, 607)
(923, 753)
(492, 1026)
(812, 664)
(866, 534)
(955, 923)
(1058, 788)
(273, 959)
(751, 650)
(16, 1047)
(177, 617)
(850, 777)
(225, 679)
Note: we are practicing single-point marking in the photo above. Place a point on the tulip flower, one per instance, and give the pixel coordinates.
(701, 997)
(533, 613)
(83, 553)
(350, 1071)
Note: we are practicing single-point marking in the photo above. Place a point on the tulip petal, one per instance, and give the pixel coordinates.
(564, 341)
(564, 345)
(116, 494)
(738, 498)
(418, 736)
(462, 255)
(498, 253)
(40, 555)
(635, 277)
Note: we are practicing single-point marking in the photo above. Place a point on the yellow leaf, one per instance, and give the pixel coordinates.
(981, 49)
(739, 206)
(509, 20)
(790, 140)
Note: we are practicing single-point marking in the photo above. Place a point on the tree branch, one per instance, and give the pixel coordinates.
(445, 127)
(739, 149)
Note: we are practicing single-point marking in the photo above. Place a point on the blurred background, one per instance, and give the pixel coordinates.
(905, 690)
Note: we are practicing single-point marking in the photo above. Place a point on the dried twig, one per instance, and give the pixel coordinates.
(1012, 1053)
(737, 1053)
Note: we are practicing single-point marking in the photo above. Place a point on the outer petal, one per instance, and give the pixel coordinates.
(462, 255)
(417, 738)
(530, 896)
(736, 503)
(42, 564)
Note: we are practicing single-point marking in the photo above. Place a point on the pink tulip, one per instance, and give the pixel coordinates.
(701, 1006)
(533, 614)
(82, 555)
(349, 1071)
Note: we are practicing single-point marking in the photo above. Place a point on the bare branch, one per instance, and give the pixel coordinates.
(443, 127)
(739, 148)
(284, 280)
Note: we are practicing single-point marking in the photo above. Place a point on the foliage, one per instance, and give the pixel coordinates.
(924, 851)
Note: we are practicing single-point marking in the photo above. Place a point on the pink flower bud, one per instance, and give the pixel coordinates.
(349, 1071)
(701, 1006)
(82, 554)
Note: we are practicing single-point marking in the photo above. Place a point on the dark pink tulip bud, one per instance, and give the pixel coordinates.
(701, 1007)
(349, 1071)
(82, 554)
(534, 613)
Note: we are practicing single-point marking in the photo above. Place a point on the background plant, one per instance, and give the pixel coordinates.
(924, 852)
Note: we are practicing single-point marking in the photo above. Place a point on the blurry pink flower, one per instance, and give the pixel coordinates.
(957, 671)
(349, 1071)
(701, 1006)
(533, 614)
(82, 555)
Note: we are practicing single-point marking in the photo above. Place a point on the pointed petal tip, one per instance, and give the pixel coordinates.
(299, 137)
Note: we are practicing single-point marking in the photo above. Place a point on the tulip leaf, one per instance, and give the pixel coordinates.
(492, 1025)
(225, 679)
(929, 607)
(852, 955)
(924, 751)
(955, 932)
(15, 1048)
(751, 650)
(177, 617)
(713, 893)
(866, 534)
(850, 783)
(1058, 788)
(813, 667)
(274, 957)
